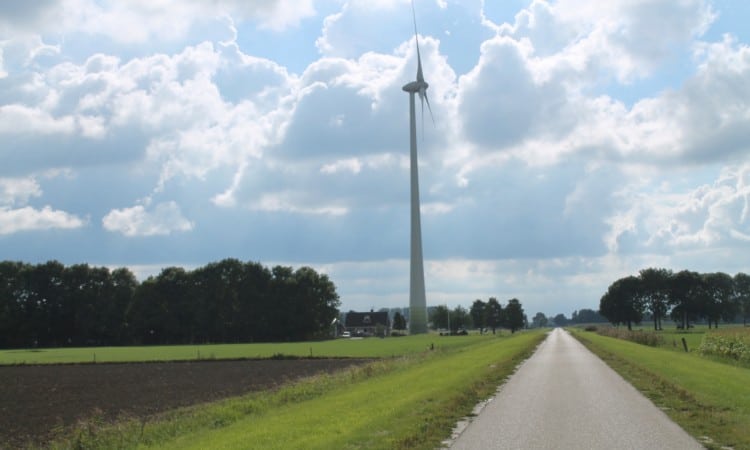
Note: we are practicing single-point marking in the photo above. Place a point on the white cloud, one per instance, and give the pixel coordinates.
(31, 219)
(163, 219)
(579, 143)
(17, 191)
(296, 202)
(17, 119)
(665, 219)
(353, 165)
(141, 21)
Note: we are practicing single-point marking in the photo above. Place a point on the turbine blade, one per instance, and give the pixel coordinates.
(420, 77)
(428, 109)
(422, 96)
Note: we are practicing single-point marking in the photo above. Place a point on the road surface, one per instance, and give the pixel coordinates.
(565, 397)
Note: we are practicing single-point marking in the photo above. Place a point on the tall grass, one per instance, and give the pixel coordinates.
(643, 337)
(732, 343)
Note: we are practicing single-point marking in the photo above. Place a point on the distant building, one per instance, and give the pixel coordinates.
(367, 323)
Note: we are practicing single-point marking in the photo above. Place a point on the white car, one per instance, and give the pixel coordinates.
(346, 334)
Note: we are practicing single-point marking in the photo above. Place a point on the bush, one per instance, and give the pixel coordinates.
(649, 338)
(728, 344)
(590, 328)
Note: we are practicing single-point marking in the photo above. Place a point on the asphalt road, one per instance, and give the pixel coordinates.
(565, 397)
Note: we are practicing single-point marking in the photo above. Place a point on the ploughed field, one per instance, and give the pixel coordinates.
(37, 399)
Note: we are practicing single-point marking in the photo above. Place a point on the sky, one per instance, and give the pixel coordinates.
(573, 142)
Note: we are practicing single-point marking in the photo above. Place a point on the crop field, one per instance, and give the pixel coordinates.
(707, 397)
(336, 348)
(127, 404)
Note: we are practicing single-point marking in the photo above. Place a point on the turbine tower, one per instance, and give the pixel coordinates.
(417, 298)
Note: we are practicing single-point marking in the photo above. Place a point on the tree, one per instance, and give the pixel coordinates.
(741, 284)
(439, 316)
(586, 315)
(399, 322)
(493, 314)
(539, 320)
(514, 316)
(560, 320)
(655, 292)
(477, 313)
(459, 319)
(717, 298)
(622, 302)
(12, 333)
(685, 292)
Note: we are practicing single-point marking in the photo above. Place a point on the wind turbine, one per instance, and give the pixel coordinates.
(417, 297)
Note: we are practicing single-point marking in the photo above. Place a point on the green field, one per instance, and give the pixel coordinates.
(408, 402)
(337, 348)
(706, 397)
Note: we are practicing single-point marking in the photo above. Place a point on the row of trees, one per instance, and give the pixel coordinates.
(227, 301)
(579, 316)
(684, 296)
(489, 315)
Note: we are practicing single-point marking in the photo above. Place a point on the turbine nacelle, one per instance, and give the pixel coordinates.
(417, 87)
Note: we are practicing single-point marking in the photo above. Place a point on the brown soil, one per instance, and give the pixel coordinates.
(34, 400)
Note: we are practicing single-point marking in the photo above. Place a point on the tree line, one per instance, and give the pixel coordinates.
(583, 315)
(685, 296)
(50, 305)
(485, 316)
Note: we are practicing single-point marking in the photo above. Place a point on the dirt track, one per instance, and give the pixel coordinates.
(36, 399)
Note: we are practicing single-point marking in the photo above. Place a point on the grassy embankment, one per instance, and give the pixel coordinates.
(708, 398)
(405, 402)
(338, 348)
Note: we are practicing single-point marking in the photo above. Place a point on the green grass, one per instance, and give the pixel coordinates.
(705, 397)
(410, 402)
(358, 348)
(673, 338)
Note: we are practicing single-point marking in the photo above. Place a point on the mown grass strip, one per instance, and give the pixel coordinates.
(356, 348)
(408, 403)
(710, 400)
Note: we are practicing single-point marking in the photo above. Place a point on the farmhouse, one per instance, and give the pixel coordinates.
(367, 323)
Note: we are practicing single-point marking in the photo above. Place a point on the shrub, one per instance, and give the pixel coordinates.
(729, 343)
(649, 338)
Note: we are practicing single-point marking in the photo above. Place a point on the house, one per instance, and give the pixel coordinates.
(367, 323)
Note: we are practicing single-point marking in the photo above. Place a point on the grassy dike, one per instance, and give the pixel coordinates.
(334, 348)
(709, 399)
(408, 402)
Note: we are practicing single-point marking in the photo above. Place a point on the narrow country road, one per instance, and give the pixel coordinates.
(565, 397)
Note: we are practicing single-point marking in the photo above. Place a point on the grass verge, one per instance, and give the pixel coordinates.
(710, 400)
(410, 402)
(354, 348)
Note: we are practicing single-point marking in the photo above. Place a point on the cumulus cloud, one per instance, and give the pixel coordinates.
(664, 219)
(18, 190)
(140, 21)
(31, 219)
(16, 216)
(163, 219)
(537, 170)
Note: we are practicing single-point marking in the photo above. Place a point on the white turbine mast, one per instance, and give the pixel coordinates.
(417, 297)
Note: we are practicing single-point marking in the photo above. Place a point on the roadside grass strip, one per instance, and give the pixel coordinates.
(709, 399)
(410, 402)
(334, 348)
